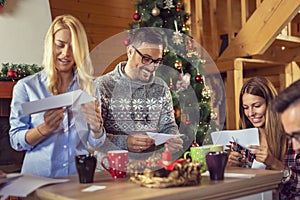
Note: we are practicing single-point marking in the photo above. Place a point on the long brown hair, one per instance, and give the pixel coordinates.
(262, 87)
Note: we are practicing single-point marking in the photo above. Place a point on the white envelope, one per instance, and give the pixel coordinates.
(76, 97)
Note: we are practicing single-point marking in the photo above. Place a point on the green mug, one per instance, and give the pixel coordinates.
(198, 155)
(215, 147)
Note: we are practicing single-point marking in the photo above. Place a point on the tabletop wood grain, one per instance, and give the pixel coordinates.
(265, 180)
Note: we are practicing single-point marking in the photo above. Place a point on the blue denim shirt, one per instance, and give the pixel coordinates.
(54, 156)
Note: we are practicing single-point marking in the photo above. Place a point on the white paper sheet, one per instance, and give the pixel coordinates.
(161, 138)
(25, 184)
(76, 97)
(244, 137)
(93, 188)
(232, 175)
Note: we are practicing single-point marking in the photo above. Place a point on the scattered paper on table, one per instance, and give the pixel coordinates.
(258, 165)
(232, 175)
(161, 138)
(25, 184)
(76, 97)
(93, 188)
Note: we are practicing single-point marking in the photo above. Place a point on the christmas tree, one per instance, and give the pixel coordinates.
(191, 96)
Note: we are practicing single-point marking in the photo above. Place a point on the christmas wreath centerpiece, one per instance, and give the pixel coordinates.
(2, 3)
(156, 173)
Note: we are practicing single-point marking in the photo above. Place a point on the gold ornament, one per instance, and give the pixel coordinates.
(155, 11)
(178, 64)
(166, 50)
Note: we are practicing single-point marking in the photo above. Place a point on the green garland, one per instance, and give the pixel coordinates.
(14, 72)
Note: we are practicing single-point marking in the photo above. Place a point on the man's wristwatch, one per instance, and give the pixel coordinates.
(286, 174)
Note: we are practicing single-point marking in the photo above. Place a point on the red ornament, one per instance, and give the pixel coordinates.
(12, 73)
(178, 9)
(136, 16)
(187, 122)
(172, 86)
(1, 6)
(199, 78)
(180, 77)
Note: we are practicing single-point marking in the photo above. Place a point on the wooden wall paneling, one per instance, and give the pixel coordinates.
(229, 21)
(101, 19)
(244, 11)
(214, 28)
(233, 86)
(194, 8)
(295, 71)
(258, 2)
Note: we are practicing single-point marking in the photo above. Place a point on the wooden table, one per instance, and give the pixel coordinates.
(265, 180)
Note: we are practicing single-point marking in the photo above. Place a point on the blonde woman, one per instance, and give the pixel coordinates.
(255, 111)
(52, 138)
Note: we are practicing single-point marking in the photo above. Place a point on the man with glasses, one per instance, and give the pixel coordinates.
(287, 104)
(135, 101)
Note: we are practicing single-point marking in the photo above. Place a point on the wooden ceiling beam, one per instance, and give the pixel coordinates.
(261, 29)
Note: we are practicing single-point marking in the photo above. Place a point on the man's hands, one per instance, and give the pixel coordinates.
(139, 142)
(174, 144)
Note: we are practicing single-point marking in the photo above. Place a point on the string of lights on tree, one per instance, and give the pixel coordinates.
(14, 72)
(170, 14)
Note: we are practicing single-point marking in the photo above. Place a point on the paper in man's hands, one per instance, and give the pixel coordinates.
(161, 138)
(74, 98)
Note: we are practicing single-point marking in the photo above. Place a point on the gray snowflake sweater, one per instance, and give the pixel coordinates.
(131, 107)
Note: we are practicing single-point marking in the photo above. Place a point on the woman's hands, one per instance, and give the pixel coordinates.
(236, 159)
(92, 116)
(52, 120)
(262, 154)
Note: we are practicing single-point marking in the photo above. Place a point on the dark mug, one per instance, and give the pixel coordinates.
(86, 165)
(216, 163)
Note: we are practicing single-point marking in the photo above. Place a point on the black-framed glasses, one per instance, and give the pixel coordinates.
(296, 136)
(147, 60)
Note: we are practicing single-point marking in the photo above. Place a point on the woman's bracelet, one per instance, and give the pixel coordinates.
(99, 130)
(38, 130)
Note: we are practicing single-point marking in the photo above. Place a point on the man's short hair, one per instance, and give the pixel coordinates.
(287, 97)
(147, 34)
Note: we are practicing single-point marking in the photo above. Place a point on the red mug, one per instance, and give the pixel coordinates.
(117, 160)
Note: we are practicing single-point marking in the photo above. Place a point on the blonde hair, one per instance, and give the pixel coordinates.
(83, 65)
(262, 87)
